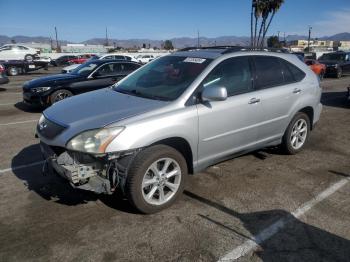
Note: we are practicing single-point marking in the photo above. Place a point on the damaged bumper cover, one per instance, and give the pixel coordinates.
(82, 170)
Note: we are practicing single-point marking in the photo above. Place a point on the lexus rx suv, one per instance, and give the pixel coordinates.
(176, 116)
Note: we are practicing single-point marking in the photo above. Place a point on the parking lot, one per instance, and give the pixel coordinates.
(263, 206)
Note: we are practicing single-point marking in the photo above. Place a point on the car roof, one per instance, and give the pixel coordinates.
(104, 61)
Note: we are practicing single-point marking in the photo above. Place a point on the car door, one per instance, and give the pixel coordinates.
(104, 76)
(278, 87)
(227, 127)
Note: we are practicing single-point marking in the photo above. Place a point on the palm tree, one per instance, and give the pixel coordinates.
(263, 11)
(273, 7)
(258, 8)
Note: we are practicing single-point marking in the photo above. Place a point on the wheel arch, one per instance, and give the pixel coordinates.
(309, 111)
(181, 145)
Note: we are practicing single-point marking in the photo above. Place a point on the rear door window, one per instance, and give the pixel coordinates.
(129, 67)
(268, 72)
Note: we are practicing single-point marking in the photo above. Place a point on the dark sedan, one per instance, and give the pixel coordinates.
(92, 75)
(337, 63)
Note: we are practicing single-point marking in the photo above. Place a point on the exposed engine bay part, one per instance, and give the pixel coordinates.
(101, 174)
(118, 168)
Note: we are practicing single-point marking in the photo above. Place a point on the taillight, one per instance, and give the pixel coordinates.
(2, 68)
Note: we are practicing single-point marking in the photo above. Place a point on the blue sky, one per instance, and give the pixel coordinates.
(160, 19)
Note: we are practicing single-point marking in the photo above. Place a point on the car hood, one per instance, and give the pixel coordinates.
(99, 108)
(52, 80)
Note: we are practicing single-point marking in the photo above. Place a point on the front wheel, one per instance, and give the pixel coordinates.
(59, 95)
(297, 134)
(156, 178)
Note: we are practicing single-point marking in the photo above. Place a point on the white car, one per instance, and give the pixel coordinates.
(117, 56)
(17, 52)
(144, 59)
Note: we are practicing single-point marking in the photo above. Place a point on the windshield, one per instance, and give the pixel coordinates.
(85, 69)
(164, 79)
(333, 57)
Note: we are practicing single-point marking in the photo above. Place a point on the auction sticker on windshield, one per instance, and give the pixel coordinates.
(194, 60)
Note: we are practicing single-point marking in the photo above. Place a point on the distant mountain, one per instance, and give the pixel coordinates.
(178, 42)
(339, 37)
(28, 39)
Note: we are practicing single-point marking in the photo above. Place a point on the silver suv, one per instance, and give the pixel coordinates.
(176, 116)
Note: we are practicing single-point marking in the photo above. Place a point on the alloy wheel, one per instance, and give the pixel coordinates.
(60, 96)
(299, 133)
(161, 181)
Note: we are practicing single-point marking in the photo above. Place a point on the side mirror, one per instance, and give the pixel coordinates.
(214, 93)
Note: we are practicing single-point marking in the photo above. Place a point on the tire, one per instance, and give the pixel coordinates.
(29, 58)
(321, 76)
(141, 171)
(290, 147)
(339, 73)
(13, 71)
(59, 95)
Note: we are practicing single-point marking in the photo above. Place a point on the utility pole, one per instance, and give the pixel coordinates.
(106, 37)
(58, 49)
(278, 35)
(308, 41)
(198, 38)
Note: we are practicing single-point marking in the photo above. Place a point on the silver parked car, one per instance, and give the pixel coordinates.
(176, 116)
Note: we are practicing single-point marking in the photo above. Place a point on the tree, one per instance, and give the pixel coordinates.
(263, 12)
(273, 42)
(168, 45)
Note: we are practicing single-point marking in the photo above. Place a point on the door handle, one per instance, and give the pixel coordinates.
(297, 91)
(254, 101)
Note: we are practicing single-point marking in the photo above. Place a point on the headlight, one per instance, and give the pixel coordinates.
(40, 89)
(94, 141)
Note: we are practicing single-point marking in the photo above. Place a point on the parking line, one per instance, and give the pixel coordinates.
(268, 232)
(19, 122)
(7, 104)
(20, 167)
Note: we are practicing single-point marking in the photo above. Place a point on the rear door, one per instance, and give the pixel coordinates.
(278, 91)
(229, 126)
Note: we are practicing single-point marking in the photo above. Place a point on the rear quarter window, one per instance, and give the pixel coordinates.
(296, 73)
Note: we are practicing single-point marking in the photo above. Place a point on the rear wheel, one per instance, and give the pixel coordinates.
(321, 76)
(156, 178)
(59, 95)
(296, 134)
(29, 58)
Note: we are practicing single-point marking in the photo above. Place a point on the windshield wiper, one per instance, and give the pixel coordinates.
(139, 94)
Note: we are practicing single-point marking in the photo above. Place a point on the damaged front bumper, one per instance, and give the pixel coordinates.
(83, 171)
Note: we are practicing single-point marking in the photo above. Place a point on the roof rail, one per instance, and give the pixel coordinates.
(229, 49)
(209, 47)
(250, 48)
